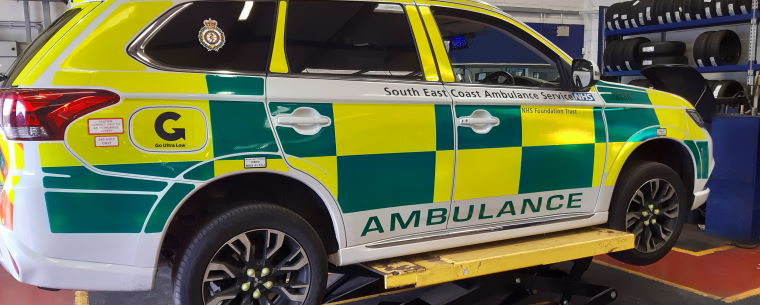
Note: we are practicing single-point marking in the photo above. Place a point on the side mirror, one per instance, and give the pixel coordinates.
(584, 75)
(3, 77)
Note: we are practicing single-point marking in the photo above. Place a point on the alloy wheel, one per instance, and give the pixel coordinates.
(652, 214)
(258, 267)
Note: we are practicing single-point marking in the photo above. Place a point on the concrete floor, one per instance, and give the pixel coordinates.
(635, 285)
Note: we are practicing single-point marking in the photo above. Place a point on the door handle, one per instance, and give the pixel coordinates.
(480, 121)
(304, 120)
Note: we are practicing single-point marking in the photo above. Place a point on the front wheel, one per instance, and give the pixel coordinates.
(257, 254)
(651, 202)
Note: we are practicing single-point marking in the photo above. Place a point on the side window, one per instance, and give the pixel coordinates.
(244, 36)
(350, 38)
(486, 50)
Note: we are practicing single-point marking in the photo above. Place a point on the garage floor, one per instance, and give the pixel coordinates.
(702, 270)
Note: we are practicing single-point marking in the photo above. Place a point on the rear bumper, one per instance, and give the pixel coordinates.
(32, 268)
(700, 198)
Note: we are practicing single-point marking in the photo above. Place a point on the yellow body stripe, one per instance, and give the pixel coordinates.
(600, 152)
(56, 155)
(442, 57)
(476, 7)
(364, 129)
(135, 82)
(476, 178)
(554, 125)
(103, 49)
(617, 153)
(324, 169)
(444, 175)
(57, 44)
(18, 156)
(423, 46)
(279, 63)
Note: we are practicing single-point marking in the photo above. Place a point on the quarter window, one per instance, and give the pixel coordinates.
(245, 27)
(486, 50)
(350, 38)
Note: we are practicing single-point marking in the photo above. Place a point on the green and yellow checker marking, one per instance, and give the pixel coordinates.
(373, 156)
(220, 135)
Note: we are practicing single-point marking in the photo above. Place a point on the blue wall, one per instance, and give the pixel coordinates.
(572, 44)
(503, 49)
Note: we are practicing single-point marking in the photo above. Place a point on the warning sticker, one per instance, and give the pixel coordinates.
(105, 126)
(109, 141)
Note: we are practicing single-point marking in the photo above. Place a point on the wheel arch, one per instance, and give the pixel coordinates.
(293, 190)
(682, 161)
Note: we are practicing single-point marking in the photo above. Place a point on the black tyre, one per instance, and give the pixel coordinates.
(661, 9)
(650, 201)
(618, 55)
(697, 9)
(662, 48)
(608, 53)
(634, 14)
(670, 10)
(611, 15)
(254, 254)
(686, 10)
(647, 12)
(723, 48)
(700, 49)
(745, 6)
(679, 10)
(666, 60)
(726, 88)
(708, 10)
(631, 54)
(720, 7)
(626, 15)
(732, 8)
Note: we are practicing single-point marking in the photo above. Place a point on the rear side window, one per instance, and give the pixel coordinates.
(244, 27)
(37, 44)
(350, 38)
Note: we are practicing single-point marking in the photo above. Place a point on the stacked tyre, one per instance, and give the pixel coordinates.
(663, 53)
(632, 14)
(624, 55)
(717, 48)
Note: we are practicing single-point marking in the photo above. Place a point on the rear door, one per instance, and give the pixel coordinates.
(527, 149)
(358, 105)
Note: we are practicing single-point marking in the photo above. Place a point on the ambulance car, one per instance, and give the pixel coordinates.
(252, 143)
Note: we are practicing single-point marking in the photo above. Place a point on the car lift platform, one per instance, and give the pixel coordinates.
(521, 265)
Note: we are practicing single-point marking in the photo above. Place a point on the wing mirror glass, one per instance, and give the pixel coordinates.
(584, 75)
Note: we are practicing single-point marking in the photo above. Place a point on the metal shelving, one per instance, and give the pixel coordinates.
(684, 25)
(751, 19)
(751, 67)
(718, 69)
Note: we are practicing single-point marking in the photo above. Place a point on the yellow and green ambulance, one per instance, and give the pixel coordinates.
(252, 143)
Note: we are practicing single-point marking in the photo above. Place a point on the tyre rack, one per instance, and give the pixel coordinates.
(521, 267)
(750, 19)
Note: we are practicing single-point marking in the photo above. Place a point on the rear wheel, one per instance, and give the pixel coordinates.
(651, 202)
(258, 254)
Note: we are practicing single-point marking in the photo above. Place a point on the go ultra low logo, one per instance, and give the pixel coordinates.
(168, 129)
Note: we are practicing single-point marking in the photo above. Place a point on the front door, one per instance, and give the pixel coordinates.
(527, 150)
(358, 108)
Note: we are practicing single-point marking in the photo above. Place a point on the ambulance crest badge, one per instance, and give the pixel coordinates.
(211, 36)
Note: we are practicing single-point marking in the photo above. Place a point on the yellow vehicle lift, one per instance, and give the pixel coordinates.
(521, 265)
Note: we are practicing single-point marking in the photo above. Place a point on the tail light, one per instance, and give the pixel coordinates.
(44, 114)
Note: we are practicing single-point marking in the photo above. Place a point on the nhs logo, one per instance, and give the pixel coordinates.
(583, 97)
